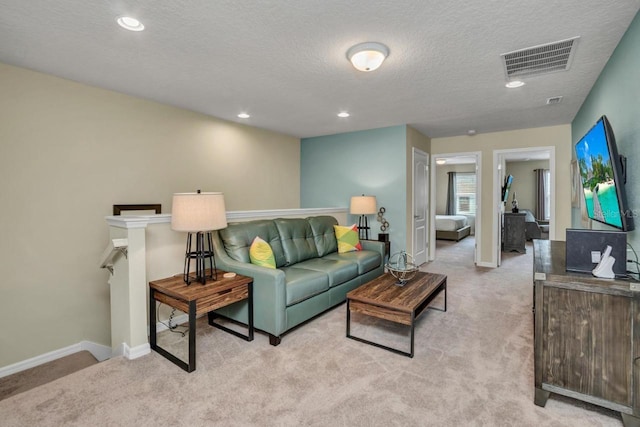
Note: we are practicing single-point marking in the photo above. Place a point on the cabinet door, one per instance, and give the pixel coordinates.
(587, 343)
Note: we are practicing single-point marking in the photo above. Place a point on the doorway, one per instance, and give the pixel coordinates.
(504, 160)
(420, 208)
(467, 202)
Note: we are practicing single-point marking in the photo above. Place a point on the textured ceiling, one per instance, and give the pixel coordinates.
(284, 61)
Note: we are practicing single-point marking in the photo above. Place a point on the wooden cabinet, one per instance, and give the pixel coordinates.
(586, 335)
(513, 235)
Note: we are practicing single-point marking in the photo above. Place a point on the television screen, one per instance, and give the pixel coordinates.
(602, 176)
(506, 187)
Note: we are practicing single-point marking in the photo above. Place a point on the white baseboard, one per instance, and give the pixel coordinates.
(178, 320)
(486, 264)
(132, 352)
(99, 351)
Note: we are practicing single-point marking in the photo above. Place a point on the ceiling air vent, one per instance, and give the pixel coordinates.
(546, 58)
(554, 100)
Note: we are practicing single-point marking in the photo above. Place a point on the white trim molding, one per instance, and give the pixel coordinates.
(141, 221)
(99, 351)
(131, 352)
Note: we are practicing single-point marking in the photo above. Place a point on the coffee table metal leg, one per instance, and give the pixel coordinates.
(445, 294)
(413, 327)
(348, 320)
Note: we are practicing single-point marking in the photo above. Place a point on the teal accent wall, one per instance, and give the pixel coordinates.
(373, 162)
(616, 94)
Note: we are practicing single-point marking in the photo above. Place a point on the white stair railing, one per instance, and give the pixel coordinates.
(115, 247)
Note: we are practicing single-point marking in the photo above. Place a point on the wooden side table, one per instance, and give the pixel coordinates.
(197, 299)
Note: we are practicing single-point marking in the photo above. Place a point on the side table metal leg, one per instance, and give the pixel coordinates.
(192, 336)
(250, 335)
(152, 319)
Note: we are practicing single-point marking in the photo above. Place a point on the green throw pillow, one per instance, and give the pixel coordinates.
(261, 254)
(347, 238)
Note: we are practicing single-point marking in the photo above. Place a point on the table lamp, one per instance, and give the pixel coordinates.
(363, 206)
(198, 213)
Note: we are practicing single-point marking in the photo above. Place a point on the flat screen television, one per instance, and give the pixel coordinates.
(602, 173)
(506, 187)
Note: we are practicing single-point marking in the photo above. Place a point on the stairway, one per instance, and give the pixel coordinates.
(42, 374)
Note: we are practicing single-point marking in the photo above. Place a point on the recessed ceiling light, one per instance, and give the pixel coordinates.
(343, 114)
(244, 115)
(129, 23)
(514, 84)
(471, 132)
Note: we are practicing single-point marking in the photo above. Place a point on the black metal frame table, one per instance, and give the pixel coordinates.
(385, 299)
(196, 299)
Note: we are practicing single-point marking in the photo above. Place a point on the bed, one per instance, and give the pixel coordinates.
(452, 227)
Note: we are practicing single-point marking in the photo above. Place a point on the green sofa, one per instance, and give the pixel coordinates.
(310, 275)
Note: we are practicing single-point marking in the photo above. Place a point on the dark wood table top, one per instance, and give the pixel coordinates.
(384, 292)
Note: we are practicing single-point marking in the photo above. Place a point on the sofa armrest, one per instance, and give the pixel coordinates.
(374, 245)
(269, 290)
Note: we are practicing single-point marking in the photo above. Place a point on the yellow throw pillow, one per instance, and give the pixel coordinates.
(261, 254)
(347, 238)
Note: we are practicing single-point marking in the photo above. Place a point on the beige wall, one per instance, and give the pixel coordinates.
(421, 142)
(524, 182)
(553, 136)
(68, 152)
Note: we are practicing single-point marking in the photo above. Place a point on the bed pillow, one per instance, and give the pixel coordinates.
(260, 253)
(347, 238)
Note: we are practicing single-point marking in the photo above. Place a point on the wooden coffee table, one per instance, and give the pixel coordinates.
(385, 299)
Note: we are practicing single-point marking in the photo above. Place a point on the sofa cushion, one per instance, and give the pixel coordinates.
(302, 283)
(297, 239)
(338, 271)
(238, 237)
(366, 260)
(323, 234)
(347, 238)
(261, 254)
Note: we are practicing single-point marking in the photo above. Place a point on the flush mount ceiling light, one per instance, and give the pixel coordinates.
(367, 56)
(514, 84)
(343, 114)
(129, 23)
(441, 161)
(244, 115)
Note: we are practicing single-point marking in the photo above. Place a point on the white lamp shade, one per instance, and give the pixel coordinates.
(367, 56)
(363, 205)
(195, 212)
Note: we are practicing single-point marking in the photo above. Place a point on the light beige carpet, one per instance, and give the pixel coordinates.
(473, 367)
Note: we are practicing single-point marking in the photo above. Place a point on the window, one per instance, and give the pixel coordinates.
(465, 193)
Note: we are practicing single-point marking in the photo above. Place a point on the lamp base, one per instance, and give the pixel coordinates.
(203, 251)
(363, 228)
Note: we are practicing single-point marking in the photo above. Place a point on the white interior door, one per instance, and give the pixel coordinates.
(420, 206)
